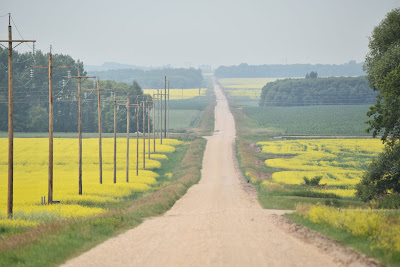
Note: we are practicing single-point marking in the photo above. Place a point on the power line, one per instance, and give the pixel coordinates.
(19, 32)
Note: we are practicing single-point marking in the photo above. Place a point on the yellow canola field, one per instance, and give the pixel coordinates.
(31, 176)
(245, 87)
(382, 229)
(340, 162)
(175, 94)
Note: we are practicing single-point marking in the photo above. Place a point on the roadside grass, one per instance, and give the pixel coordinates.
(362, 244)
(52, 244)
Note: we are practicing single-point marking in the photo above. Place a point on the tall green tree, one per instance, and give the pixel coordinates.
(382, 65)
(382, 178)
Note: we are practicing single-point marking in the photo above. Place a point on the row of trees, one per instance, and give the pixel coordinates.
(150, 79)
(317, 91)
(282, 71)
(31, 96)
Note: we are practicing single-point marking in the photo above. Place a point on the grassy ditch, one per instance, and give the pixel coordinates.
(363, 244)
(53, 243)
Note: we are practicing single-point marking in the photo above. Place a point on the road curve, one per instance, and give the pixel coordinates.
(218, 222)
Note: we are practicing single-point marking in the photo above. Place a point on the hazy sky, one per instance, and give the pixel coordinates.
(215, 32)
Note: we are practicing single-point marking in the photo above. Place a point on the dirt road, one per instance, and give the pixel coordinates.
(217, 223)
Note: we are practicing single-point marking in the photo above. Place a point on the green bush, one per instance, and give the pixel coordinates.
(389, 202)
(313, 181)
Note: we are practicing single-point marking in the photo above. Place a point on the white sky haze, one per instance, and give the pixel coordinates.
(183, 32)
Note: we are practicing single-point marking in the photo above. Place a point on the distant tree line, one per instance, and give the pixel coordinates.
(150, 79)
(285, 71)
(31, 96)
(317, 91)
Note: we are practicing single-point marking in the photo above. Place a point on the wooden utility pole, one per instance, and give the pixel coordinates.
(161, 117)
(127, 135)
(127, 139)
(168, 114)
(137, 139)
(115, 137)
(79, 77)
(154, 125)
(99, 126)
(158, 113)
(165, 114)
(144, 135)
(148, 127)
(10, 42)
(50, 173)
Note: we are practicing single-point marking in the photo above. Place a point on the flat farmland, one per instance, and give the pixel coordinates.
(347, 120)
(31, 169)
(245, 91)
(245, 83)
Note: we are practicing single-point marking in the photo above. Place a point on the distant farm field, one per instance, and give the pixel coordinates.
(185, 107)
(245, 91)
(183, 118)
(245, 83)
(179, 93)
(312, 120)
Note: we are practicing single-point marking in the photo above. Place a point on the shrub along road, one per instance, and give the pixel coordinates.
(217, 222)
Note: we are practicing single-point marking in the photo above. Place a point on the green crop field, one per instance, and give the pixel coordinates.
(312, 120)
(183, 118)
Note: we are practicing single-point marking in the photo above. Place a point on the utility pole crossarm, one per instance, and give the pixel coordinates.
(17, 41)
(89, 90)
(79, 77)
(57, 67)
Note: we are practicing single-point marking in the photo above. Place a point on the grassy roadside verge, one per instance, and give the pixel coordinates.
(359, 243)
(52, 244)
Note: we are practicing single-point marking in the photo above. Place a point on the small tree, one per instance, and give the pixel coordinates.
(383, 175)
(313, 181)
(312, 75)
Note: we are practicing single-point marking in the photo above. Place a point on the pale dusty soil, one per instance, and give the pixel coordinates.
(219, 222)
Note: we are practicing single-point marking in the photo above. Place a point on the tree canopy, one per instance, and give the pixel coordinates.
(244, 70)
(317, 91)
(382, 65)
(31, 96)
(150, 79)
